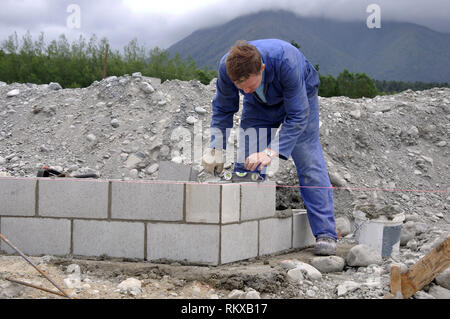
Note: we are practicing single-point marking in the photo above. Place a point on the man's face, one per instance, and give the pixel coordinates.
(251, 83)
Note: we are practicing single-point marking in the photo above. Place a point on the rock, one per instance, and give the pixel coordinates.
(132, 161)
(2, 160)
(191, 120)
(363, 256)
(9, 290)
(295, 275)
(136, 74)
(115, 123)
(200, 110)
(443, 279)
(346, 287)
(131, 286)
(422, 295)
(407, 233)
(12, 93)
(54, 86)
(74, 279)
(91, 137)
(252, 294)
(288, 264)
(343, 226)
(328, 264)
(146, 87)
(439, 292)
(356, 114)
(152, 168)
(307, 270)
(236, 294)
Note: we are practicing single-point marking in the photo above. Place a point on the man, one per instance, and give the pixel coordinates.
(280, 86)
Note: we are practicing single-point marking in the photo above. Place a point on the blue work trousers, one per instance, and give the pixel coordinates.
(315, 187)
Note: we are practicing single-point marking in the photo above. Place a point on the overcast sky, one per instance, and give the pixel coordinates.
(163, 22)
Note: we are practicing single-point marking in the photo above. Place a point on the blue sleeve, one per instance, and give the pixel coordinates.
(295, 102)
(224, 106)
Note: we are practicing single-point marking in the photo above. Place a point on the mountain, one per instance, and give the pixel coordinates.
(396, 51)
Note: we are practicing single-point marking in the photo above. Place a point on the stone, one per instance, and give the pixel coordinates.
(422, 295)
(191, 120)
(115, 123)
(54, 86)
(146, 87)
(12, 93)
(252, 294)
(295, 275)
(439, 292)
(308, 271)
(152, 168)
(131, 286)
(236, 294)
(363, 256)
(328, 264)
(343, 226)
(346, 287)
(443, 279)
(200, 110)
(91, 137)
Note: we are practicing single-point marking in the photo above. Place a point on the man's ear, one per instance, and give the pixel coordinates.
(263, 67)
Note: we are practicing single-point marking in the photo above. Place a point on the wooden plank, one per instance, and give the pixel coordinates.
(396, 281)
(426, 269)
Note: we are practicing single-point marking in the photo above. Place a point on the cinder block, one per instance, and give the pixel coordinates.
(73, 198)
(303, 236)
(239, 241)
(275, 234)
(231, 202)
(202, 203)
(36, 236)
(17, 197)
(114, 239)
(183, 242)
(257, 200)
(170, 171)
(147, 201)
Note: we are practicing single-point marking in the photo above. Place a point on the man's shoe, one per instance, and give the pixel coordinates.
(325, 246)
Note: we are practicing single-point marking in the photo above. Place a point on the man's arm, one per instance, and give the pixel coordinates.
(224, 106)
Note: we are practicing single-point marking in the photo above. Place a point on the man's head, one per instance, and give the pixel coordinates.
(244, 66)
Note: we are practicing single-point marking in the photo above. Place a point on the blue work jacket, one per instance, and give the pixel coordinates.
(290, 79)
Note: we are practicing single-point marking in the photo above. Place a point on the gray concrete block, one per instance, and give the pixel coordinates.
(17, 197)
(114, 239)
(239, 241)
(73, 198)
(183, 242)
(147, 201)
(303, 236)
(275, 234)
(36, 236)
(170, 171)
(202, 203)
(231, 202)
(257, 200)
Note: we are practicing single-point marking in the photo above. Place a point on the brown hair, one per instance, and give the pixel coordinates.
(243, 61)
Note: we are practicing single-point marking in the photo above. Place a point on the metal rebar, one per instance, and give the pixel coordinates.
(35, 267)
(33, 286)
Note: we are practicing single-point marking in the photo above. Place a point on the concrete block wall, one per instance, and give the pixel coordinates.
(197, 223)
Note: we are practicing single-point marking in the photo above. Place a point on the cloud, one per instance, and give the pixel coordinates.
(162, 23)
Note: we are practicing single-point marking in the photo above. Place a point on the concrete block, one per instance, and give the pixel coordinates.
(73, 198)
(257, 200)
(147, 201)
(231, 202)
(183, 242)
(202, 203)
(239, 241)
(170, 171)
(303, 236)
(36, 236)
(17, 197)
(114, 239)
(275, 234)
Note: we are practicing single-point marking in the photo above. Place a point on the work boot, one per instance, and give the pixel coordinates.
(325, 246)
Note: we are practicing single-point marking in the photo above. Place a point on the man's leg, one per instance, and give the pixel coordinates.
(315, 186)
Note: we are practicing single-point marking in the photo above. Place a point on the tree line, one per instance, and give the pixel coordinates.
(80, 63)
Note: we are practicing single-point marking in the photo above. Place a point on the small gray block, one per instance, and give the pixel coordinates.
(183, 242)
(73, 198)
(202, 203)
(239, 241)
(147, 201)
(36, 236)
(303, 236)
(258, 200)
(170, 171)
(231, 202)
(114, 239)
(17, 197)
(275, 234)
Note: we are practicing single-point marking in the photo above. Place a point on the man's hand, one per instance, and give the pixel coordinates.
(262, 159)
(213, 160)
